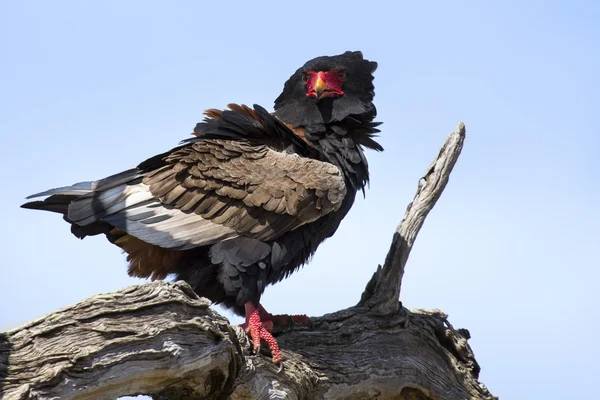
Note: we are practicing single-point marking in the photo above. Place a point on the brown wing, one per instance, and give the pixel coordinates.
(251, 189)
(246, 175)
(215, 190)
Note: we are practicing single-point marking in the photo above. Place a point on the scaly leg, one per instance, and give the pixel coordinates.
(258, 331)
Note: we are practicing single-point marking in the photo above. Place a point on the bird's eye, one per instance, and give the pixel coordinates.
(304, 78)
(342, 75)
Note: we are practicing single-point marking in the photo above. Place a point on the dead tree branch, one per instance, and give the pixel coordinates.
(162, 340)
(383, 291)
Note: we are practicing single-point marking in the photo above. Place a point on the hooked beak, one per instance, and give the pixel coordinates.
(319, 87)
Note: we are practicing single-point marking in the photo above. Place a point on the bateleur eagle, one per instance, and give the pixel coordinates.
(247, 200)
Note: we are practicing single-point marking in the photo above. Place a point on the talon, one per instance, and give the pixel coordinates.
(280, 367)
(260, 323)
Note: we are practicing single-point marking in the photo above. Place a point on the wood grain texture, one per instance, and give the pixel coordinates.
(141, 339)
(161, 339)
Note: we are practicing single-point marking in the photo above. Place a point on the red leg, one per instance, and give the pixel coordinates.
(258, 331)
(281, 320)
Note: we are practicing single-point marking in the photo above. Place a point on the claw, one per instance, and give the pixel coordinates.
(260, 323)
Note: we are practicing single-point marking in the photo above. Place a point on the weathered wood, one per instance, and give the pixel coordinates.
(162, 340)
(138, 340)
(383, 290)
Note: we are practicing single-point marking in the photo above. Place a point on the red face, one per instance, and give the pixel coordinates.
(324, 84)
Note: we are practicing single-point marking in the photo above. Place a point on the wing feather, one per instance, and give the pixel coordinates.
(245, 174)
(259, 197)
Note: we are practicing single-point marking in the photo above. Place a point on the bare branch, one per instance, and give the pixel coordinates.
(383, 290)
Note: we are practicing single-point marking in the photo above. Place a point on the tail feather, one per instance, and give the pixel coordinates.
(58, 203)
(99, 204)
(80, 199)
(77, 189)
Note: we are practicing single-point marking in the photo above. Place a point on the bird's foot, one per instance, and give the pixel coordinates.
(259, 330)
(282, 322)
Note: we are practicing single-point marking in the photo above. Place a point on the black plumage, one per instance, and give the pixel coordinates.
(250, 197)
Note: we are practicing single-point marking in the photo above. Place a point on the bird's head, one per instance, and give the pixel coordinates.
(328, 89)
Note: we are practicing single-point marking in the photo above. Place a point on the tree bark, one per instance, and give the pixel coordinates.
(162, 340)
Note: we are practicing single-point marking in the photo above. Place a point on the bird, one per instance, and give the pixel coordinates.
(247, 199)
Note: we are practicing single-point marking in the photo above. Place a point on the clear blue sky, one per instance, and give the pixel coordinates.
(511, 250)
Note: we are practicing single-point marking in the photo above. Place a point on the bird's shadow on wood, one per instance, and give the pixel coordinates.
(5, 348)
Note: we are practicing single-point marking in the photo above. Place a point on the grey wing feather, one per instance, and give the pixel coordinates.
(133, 209)
(76, 189)
(83, 188)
